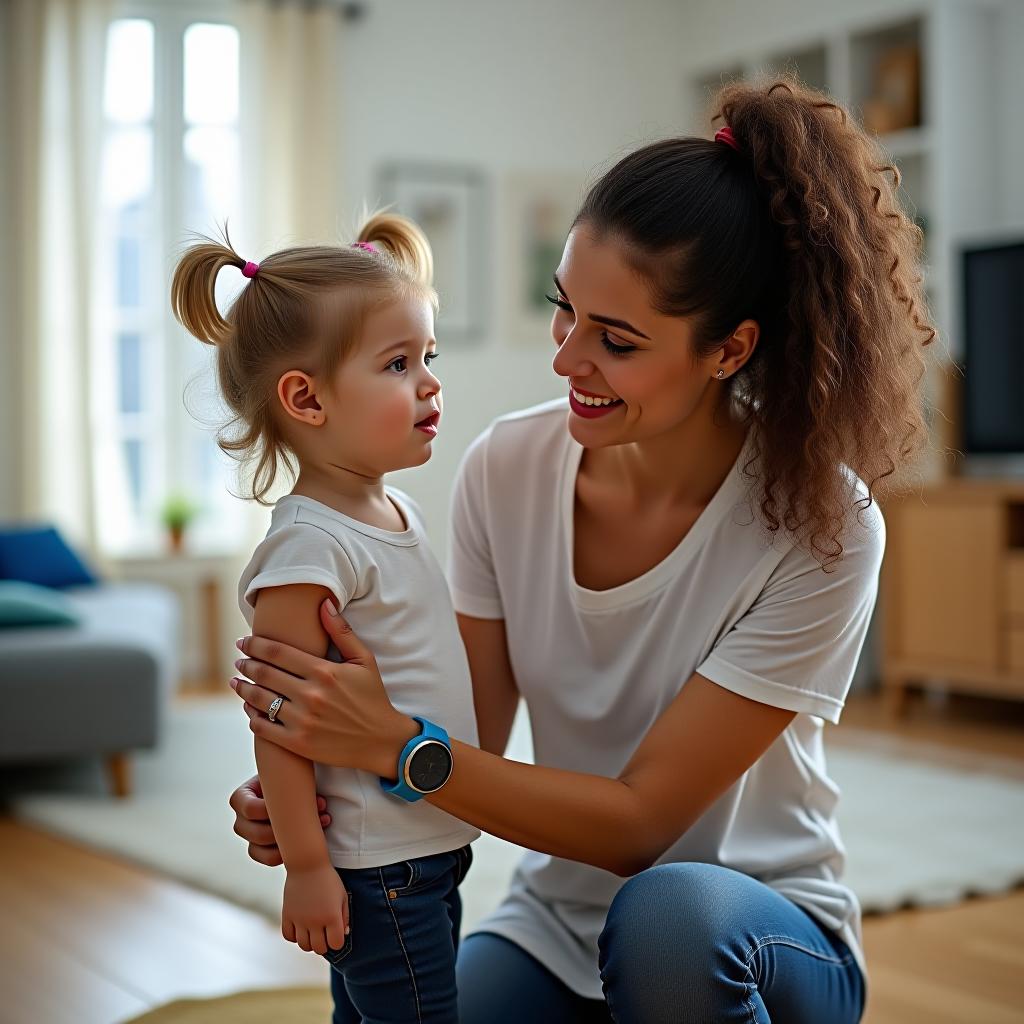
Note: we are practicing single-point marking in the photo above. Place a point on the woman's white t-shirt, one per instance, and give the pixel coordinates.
(597, 668)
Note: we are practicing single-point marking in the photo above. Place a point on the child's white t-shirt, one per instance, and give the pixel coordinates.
(597, 668)
(395, 597)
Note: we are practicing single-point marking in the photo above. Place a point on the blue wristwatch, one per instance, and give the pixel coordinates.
(424, 765)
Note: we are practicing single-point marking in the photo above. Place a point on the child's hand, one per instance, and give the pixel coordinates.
(315, 912)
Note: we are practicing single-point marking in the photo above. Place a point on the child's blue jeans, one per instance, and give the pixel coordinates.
(398, 961)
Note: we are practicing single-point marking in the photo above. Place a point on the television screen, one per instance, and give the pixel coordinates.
(993, 334)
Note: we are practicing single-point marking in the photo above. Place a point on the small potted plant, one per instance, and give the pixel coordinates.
(177, 513)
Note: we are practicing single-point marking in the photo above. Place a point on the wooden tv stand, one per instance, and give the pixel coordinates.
(952, 590)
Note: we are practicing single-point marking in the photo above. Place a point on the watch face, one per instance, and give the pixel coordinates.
(429, 766)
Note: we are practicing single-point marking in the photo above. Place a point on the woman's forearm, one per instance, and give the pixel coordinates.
(289, 788)
(573, 815)
(567, 814)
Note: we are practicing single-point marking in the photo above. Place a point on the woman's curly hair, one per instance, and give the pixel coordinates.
(799, 228)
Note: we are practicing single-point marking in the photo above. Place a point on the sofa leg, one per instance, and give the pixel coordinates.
(120, 774)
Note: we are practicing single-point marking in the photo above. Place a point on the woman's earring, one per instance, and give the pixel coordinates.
(720, 373)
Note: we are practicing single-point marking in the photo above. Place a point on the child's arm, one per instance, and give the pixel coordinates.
(290, 614)
(314, 913)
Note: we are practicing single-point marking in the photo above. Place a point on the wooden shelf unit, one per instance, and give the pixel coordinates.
(839, 53)
(952, 590)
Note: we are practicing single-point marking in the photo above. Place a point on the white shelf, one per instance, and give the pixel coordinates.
(843, 63)
(909, 142)
(945, 185)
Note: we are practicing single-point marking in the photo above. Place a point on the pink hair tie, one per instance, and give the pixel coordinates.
(368, 246)
(725, 135)
(249, 270)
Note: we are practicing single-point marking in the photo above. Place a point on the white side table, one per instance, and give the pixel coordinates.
(197, 578)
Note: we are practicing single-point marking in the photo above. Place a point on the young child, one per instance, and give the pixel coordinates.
(324, 359)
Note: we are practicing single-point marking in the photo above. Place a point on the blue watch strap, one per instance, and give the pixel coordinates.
(401, 788)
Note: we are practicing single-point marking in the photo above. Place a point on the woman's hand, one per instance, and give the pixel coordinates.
(315, 910)
(252, 821)
(332, 714)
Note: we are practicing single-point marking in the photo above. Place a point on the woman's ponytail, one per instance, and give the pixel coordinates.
(847, 377)
(825, 183)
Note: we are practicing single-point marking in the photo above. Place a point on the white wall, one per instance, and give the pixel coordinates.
(501, 87)
(1009, 153)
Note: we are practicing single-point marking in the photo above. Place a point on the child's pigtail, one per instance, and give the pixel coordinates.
(404, 241)
(192, 289)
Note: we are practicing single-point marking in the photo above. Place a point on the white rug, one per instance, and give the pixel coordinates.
(917, 833)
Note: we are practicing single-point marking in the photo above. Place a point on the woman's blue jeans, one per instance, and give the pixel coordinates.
(686, 943)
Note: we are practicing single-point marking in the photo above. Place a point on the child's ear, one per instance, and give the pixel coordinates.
(296, 391)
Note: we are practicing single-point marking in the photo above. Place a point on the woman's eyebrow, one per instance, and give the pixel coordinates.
(606, 320)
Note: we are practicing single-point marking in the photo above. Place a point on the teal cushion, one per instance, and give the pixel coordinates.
(26, 604)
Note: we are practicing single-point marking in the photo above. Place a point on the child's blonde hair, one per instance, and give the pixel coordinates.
(303, 305)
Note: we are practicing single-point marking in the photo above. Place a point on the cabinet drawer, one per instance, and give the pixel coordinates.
(1015, 586)
(1015, 649)
(950, 564)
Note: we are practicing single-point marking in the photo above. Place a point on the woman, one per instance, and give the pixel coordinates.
(679, 587)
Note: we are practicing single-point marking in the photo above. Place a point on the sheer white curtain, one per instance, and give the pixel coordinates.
(291, 128)
(291, 119)
(55, 52)
(54, 56)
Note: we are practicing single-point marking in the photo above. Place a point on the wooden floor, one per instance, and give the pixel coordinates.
(86, 939)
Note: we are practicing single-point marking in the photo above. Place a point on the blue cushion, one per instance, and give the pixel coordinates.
(38, 554)
(25, 604)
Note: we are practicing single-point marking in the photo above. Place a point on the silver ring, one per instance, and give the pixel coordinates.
(275, 706)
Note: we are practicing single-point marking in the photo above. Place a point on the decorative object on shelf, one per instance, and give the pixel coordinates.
(177, 512)
(449, 204)
(539, 210)
(896, 100)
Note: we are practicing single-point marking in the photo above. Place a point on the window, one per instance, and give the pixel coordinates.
(170, 165)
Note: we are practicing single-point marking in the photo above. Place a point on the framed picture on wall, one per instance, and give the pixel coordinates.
(538, 210)
(449, 204)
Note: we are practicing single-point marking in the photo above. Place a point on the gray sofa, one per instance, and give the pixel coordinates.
(102, 687)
